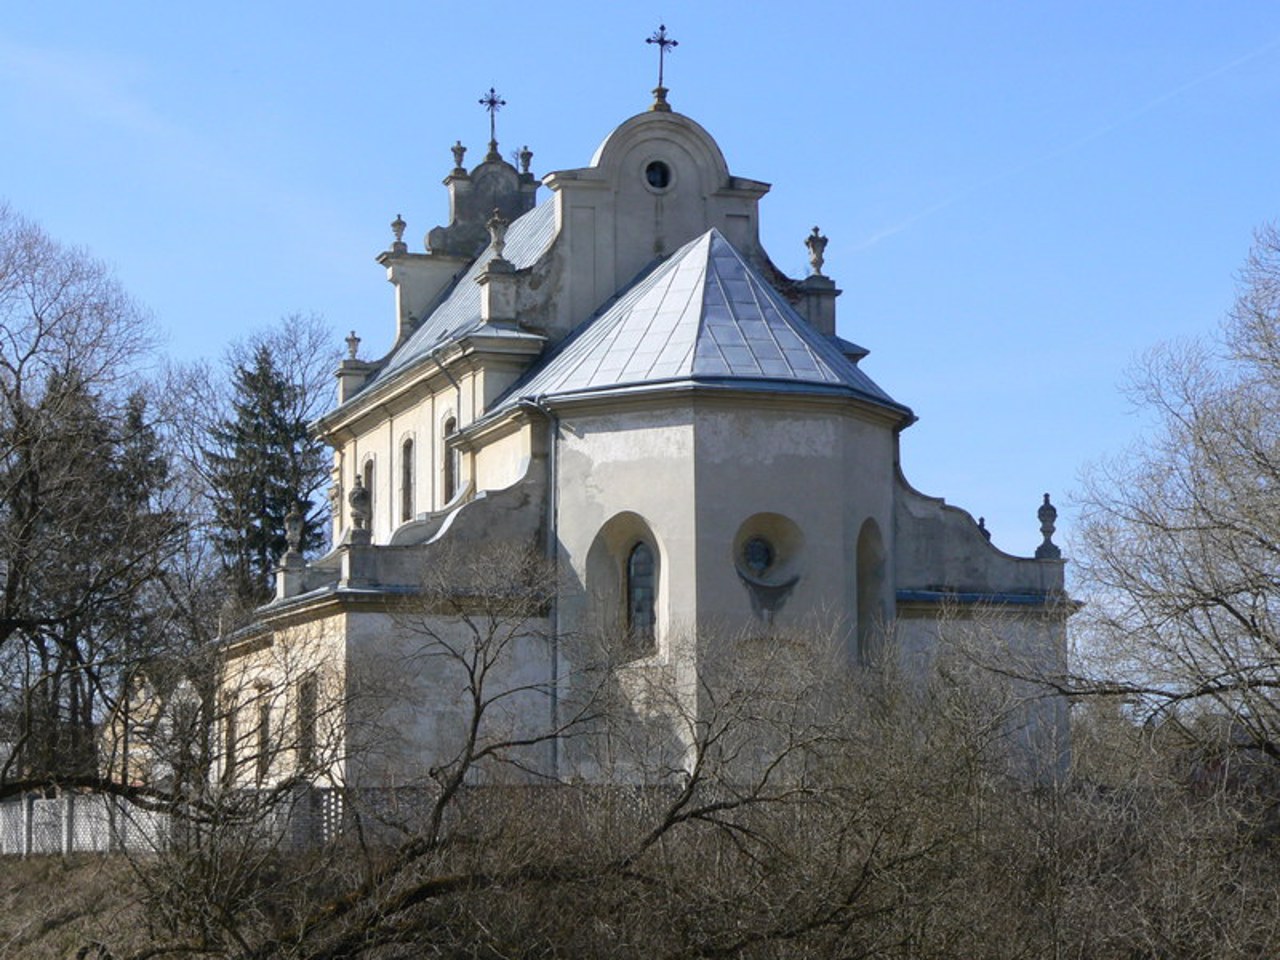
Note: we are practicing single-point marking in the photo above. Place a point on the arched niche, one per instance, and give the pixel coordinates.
(624, 549)
(873, 606)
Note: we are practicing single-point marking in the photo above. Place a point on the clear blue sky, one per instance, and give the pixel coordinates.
(1020, 197)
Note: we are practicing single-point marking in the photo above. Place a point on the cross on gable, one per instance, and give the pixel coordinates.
(664, 43)
(492, 102)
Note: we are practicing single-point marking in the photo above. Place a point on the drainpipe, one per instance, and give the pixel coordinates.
(540, 404)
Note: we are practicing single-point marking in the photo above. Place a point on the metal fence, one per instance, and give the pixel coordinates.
(78, 823)
(34, 825)
(301, 817)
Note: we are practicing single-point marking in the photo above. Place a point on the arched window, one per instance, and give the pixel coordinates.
(640, 592)
(406, 481)
(368, 485)
(450, 461)
(264, 741)
(308, 697)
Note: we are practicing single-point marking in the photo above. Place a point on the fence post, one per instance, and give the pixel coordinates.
(28, 828)
(68, 823)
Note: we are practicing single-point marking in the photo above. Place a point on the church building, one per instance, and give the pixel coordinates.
(602, 367)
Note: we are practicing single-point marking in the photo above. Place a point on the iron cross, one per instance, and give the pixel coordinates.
(663, 41)
(493, 103)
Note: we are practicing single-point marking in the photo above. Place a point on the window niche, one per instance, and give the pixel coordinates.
(308, 698)
(873, 606)
(406, 480)
(766, 555)
(367, 479)
(264, 742)
(625, 586)
(450, 458)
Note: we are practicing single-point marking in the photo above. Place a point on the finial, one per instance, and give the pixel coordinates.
(353, 344)
(497, 225)
(664, 44)
(492, 102)
(1047, 514)
(526, 158)
(293, 529)
(397, 230)
(982, 527)
(360, 501)
(459, 151)
(817, 245)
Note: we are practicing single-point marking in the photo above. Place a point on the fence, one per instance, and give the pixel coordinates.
(297, 818)
(78, 823)
(32, 825)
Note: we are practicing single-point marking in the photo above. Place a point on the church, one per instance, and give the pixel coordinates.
(601, 367)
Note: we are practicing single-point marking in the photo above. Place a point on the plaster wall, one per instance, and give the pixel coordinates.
(1016, 641)
(410, 704)
(940, 546)
(419, 415)
(264, 674)
(624, 477)
(614, 221)
(419, 280)
(822, 469)
(504, 461)
(638, 463)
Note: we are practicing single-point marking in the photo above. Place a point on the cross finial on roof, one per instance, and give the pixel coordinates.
(664, 44)
(492, 102)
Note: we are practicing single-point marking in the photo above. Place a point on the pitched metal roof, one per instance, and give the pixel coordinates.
(704, 315)
(527, 240)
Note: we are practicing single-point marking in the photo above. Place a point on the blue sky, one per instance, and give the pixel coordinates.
(1020, 198)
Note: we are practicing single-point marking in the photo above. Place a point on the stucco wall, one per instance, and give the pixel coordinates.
(820, 468)
(504, 461)
(265, 672)
(1017, 644)
(410, 703)
(940, 546)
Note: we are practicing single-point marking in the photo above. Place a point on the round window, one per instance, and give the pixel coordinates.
(658, 175)
(757, 555)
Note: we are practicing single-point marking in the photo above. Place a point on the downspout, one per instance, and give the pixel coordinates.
(540, 404)
(457, 387)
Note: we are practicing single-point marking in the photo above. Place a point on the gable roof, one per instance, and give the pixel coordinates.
(705, 315)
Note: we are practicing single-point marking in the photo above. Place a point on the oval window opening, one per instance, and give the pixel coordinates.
(757, 554)
(658, 175)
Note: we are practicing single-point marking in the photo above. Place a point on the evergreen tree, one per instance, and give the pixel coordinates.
(90, 535)
(260, 464)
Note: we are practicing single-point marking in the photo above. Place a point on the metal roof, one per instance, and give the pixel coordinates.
(706, 315)
(527, 240)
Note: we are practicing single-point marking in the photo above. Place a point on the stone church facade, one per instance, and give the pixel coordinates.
(617, 379)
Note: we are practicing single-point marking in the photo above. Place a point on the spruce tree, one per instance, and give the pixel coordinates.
(261, 463)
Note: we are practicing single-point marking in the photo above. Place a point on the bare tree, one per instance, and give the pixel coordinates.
(1182, 535)
(86, 523)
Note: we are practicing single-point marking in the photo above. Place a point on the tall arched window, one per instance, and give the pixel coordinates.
(641, 593)
(450, 461)
(368, 485)
(406, 481)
